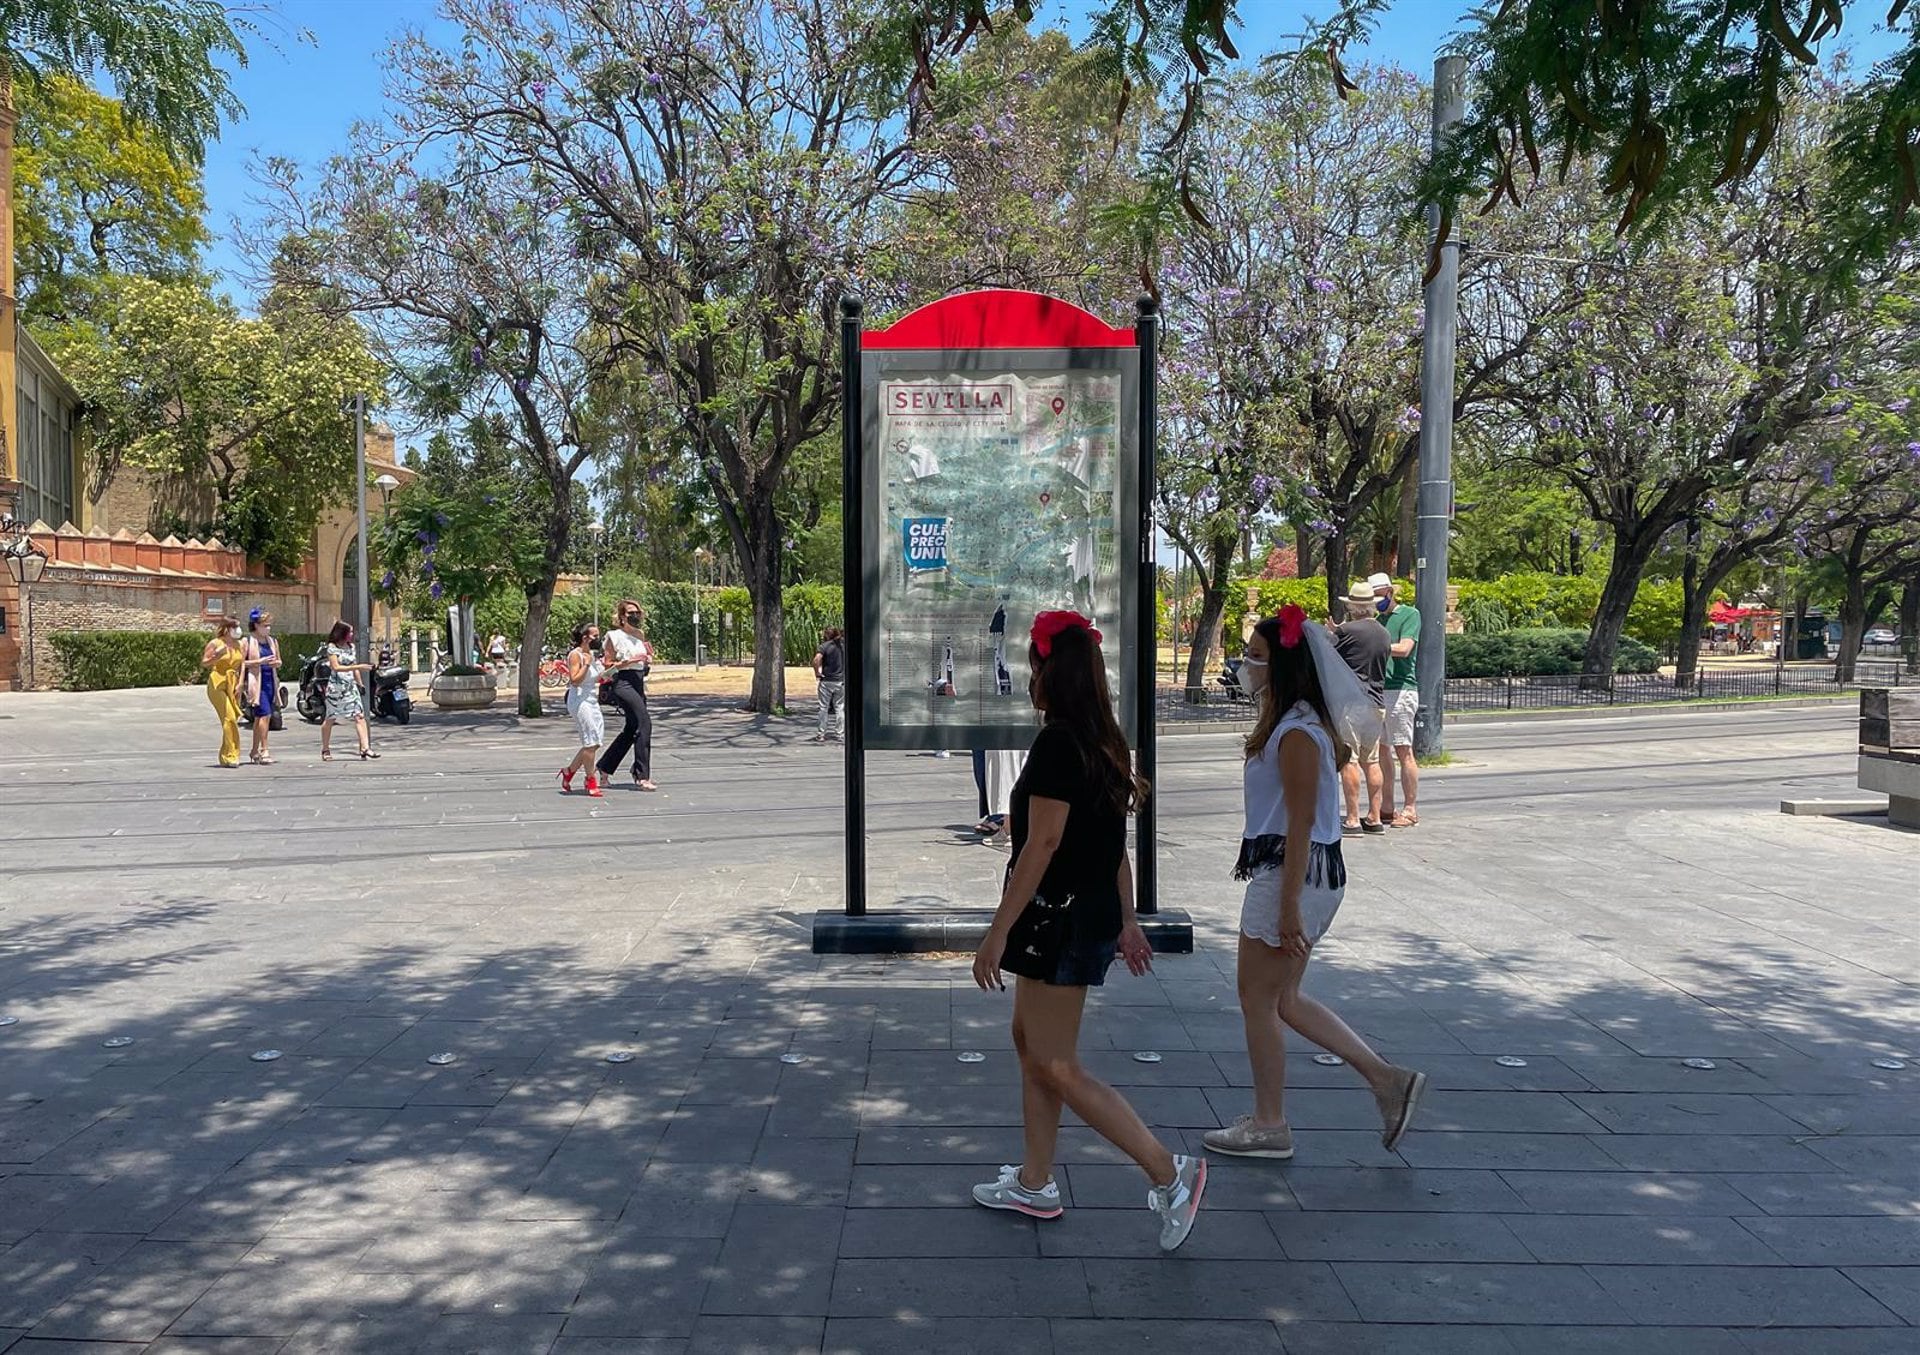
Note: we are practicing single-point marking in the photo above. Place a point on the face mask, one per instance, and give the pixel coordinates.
(1383, 605)
(1253, 673)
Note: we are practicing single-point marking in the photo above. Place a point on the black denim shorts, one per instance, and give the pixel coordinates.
(1045, 945)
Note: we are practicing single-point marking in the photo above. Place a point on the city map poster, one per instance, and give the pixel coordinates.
(998, 495)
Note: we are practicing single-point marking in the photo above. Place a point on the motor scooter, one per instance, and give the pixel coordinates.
(311, 700)
(391, 700)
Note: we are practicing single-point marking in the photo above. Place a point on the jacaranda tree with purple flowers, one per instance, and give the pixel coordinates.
(720, 164)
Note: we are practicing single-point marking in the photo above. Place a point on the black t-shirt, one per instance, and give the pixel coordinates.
(1366, 647)
(1087, 862)
(833, 662)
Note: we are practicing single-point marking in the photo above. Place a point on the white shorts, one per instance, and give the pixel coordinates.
(1260, 912)
(1403, 708)
(1375, 735)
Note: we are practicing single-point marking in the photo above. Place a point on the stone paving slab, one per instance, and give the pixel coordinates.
(1601, 898)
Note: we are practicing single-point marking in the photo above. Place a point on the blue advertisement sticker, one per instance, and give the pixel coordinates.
(925, 542)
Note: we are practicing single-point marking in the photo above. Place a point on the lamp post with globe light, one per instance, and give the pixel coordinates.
(386, 483)
(701, 556)
(25, 563)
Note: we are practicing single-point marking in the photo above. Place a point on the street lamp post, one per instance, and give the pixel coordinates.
(596, 529)
(25, 563)
(386, 483)
(700, 556)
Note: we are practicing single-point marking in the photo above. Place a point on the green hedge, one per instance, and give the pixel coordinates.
(108, 660)
(1537, 651)
(1555, 601)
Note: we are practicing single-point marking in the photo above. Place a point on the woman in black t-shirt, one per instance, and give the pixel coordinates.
(1065, 911)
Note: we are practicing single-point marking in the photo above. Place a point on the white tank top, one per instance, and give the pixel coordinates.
(1267, 802)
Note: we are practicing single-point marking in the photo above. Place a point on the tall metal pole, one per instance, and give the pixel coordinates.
(1437, 342)
(1146, 332)
(852, 600)
(363, 618)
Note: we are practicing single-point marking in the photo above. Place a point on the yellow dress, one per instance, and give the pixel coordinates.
(223, 690)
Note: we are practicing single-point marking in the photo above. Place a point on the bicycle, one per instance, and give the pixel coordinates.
(553, 673)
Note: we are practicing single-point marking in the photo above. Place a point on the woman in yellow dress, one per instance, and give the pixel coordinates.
(223, 658)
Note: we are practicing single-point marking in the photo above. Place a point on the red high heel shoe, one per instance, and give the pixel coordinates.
(565, 779)
(593, 789)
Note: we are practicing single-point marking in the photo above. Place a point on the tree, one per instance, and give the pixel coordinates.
(475, 284)
(179, 384)
(162, 58)
(1701, 359)
(95, 195)
(724, 161)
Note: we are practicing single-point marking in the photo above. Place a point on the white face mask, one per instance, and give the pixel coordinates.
(1253, 674)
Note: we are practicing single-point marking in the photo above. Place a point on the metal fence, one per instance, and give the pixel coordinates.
(1714, 682)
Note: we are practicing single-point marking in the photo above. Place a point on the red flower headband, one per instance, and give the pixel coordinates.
(1293, 622)
(1048, 625)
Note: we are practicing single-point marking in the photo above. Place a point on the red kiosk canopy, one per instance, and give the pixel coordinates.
(999, 318)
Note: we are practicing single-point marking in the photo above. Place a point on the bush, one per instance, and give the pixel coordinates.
(109, 660)
(809, 608)
(1536, 651)
(106, 660)
(1535, 601)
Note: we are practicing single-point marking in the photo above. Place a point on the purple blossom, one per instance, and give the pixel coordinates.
(1606, 421)
(386, 581)
(1833, 381)
(519, 385)
(426, 569)
(1826, 473)
(1262, 489)
(1660, 329)
(1898, 406)
(441, 520)
(421, 537)
(474, 354)
(1321, 527)
(538, 89)
(1323, 285)
(1767, 515)
(434, 590)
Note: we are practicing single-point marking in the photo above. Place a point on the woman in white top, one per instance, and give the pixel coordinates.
(1310, 713)
(583, 704)
(628, 657)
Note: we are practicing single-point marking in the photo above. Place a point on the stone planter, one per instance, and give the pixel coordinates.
(475, 692)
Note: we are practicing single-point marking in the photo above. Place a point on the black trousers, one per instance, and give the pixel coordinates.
(630, 694)
(980, 779)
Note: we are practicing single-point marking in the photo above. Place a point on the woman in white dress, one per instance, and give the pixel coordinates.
(583, 704)
(1312, 711)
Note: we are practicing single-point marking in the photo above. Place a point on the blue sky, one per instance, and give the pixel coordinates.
(301, 98)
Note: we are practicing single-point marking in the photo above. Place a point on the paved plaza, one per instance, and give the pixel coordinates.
(1601, 898)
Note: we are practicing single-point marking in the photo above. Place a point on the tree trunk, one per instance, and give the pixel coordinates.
(1213, 605)
(1631, 551)
(1303, 553)
(1575, 554)
(762, 570)
(1336, 572)
(533, 636)
(1910, 624)
(1693, 620)
(1853, 608)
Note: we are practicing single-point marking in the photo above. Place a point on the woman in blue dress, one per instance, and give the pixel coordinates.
(262, 688)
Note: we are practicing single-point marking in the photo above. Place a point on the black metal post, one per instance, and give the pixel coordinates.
(852, 604)
(1147, 667)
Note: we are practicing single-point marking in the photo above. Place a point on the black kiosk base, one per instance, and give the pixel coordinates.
(1170, 932)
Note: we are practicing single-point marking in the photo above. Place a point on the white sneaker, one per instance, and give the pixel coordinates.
(1178, 1203)
(1008, 1193)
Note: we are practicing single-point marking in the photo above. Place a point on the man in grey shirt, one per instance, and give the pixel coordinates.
(1363, 643)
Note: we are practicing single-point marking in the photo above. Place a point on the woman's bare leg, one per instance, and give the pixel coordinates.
(1261, 982)
(1322, 1025)
(1049, 1016)
(1039, 1112)
(326, 736)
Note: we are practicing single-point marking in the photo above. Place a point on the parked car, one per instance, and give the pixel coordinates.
(1880, 635)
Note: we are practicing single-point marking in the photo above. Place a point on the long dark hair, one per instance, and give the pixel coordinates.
(1071, 681)
(580, 631)
(1291, 679)
(340, 633)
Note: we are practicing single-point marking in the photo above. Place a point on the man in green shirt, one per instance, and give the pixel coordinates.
(1402, 621)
